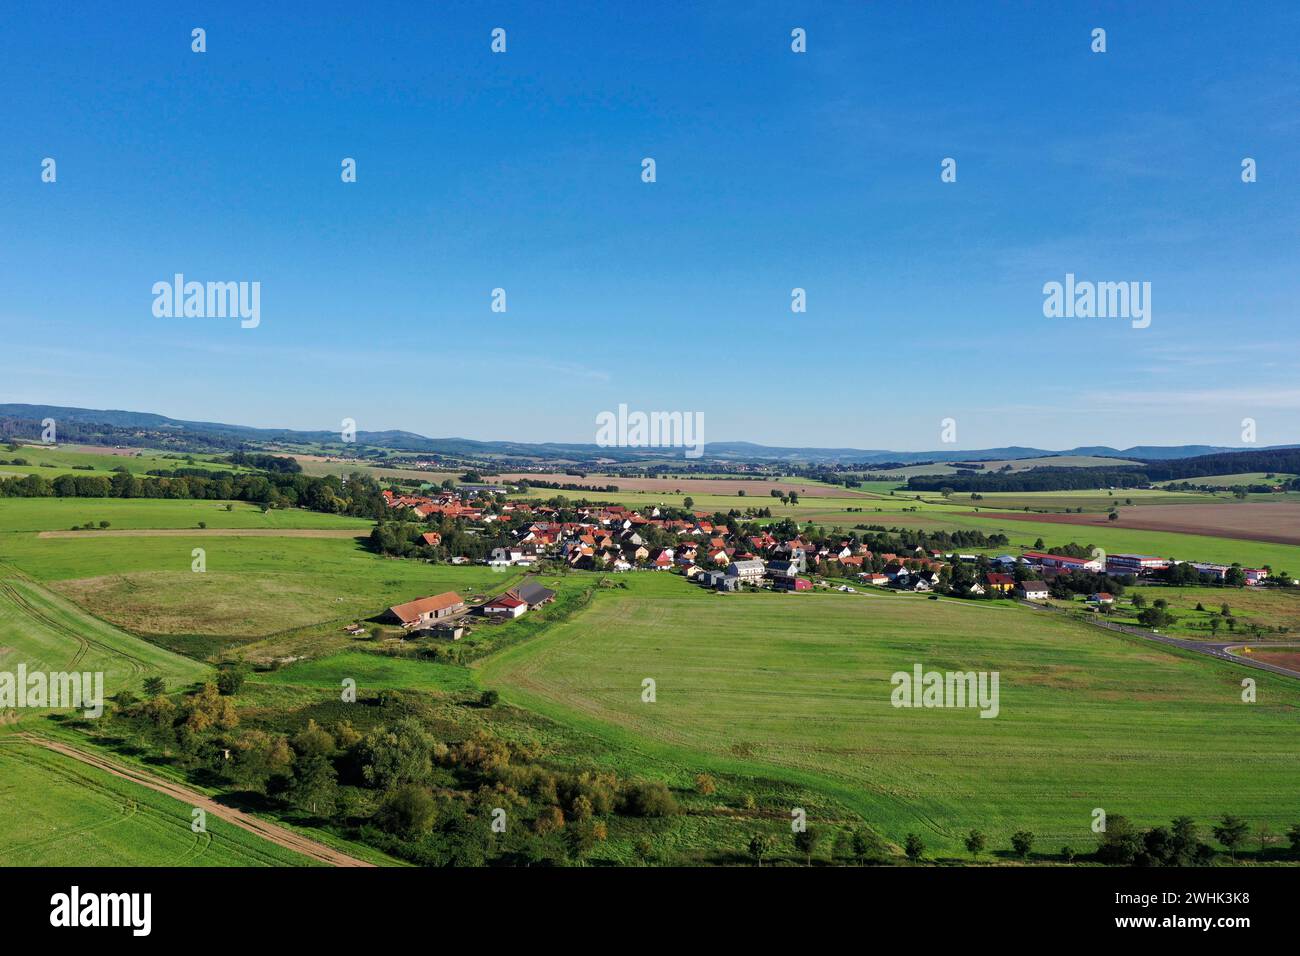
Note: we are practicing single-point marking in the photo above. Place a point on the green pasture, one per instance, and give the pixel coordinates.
(798, 687)
(61, 514)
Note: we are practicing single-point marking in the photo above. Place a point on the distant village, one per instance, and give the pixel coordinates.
(709, 553)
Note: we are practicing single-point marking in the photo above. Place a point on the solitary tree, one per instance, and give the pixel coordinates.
(760, 845)
(154, 686)
(975, 842)
(1231, 832)
(1022, 841)
(805, 841)
(914, 847)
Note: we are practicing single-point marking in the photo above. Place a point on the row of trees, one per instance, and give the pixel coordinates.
(356, 495)
(1121, 844)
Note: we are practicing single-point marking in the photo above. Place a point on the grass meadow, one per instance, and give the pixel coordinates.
(252, 588)
(58, 514)
(798, 687)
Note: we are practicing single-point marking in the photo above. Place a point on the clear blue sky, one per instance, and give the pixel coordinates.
(775, 170)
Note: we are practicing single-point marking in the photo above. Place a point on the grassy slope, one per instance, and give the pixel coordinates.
(138, 461)
(252, 586)
(46, 632)
(798, 685)
(55, 811)
(58, 514)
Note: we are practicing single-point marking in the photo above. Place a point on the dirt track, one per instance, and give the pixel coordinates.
(1277, 523)
(211, 533)
(268, 831)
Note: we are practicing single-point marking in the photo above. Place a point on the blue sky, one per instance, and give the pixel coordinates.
(775, 170)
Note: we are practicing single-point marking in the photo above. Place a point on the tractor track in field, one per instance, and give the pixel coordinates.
(273, 833)
(136, 665)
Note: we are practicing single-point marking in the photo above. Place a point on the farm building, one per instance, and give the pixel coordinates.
(425, 610)
(505, 606)
(1062, 562)
(449, 630)
(1136, 564)
(532, 593)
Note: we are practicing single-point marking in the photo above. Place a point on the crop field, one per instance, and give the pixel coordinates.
(56, 811)
(798, 686)
(46, 632)
(251, 588)
(1087, 500)
(57, 514)
(1023, 532)
(1273, 522)
(696, 487)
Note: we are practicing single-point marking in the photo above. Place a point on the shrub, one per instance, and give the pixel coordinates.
(649, 799)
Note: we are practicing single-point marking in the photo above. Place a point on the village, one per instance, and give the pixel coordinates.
(706, 551)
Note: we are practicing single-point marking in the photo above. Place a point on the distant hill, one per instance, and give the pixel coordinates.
(110, 426)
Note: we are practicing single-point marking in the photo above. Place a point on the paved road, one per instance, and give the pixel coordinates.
(1217, 649)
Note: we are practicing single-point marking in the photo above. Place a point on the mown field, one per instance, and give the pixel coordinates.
(798, 686)
(56, 811)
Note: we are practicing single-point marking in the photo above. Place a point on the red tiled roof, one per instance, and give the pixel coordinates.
(412, 610)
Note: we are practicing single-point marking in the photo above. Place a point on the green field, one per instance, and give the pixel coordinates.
(1270, 608)
(56, 811)
(58, 514)
(50, 460)
(371, 672)
(48, 633)
(1241, 478)
(798, 686)
(253, 588)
